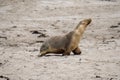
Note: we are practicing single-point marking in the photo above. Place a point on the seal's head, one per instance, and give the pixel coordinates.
(85, 22)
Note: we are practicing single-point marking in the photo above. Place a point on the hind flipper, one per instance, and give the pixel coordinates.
(42, 54)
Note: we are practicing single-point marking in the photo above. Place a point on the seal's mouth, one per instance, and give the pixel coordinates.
(88, 21)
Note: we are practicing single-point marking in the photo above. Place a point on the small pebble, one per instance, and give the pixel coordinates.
(98, 77)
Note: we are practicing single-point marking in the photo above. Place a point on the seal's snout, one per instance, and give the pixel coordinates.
(88, 21)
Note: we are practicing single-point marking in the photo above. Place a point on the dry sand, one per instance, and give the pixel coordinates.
(25, 24)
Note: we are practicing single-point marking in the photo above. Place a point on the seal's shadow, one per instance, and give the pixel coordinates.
(59, 55)
(48, 55)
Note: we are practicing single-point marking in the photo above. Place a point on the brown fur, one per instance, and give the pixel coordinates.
(65, 44)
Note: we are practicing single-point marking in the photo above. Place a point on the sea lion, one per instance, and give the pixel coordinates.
(67, 43)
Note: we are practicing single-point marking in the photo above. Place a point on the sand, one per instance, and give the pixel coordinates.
(26, 24)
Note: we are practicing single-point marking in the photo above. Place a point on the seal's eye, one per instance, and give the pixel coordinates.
(83, 23)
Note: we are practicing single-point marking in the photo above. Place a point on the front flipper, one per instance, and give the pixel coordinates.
(77, 51)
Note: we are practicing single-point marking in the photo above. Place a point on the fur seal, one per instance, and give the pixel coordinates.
(67, 43)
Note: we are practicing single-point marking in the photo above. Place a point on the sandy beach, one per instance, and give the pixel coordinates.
(26, 24)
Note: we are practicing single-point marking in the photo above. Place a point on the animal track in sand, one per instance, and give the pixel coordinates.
(4, 77)
(39, 32)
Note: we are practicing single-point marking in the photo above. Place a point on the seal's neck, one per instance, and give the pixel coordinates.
(79, 30)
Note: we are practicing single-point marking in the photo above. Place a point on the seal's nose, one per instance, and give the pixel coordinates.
(89, 20)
